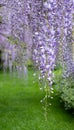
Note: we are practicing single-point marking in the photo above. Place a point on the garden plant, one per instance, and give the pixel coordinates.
(36, 52)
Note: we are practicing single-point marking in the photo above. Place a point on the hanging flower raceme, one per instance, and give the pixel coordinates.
(68, 12)
(45, 42)
(13, 35)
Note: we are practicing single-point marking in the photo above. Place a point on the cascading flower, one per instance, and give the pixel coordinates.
(45, 42)
(68, 63)
(45, 25)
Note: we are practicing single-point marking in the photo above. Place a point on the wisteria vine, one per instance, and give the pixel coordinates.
(46, 26)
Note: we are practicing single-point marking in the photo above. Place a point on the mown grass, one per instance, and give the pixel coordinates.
(20, 107)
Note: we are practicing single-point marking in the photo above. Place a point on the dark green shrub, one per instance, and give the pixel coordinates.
(29, 63)
(58, 66)
(67, 92)
(0, 19)
(1, 61)
(67, 96)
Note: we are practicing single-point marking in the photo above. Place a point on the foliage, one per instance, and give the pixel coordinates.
(67, 92)
(1, 62)
(12, 40)
(67, 96)
(16, 41)
(58, 66)
(29, 63)
(0, 19)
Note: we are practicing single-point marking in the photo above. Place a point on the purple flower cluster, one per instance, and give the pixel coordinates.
(43, 25)
(67, 40)
(52, 27)
(12, 33)
(45, 41)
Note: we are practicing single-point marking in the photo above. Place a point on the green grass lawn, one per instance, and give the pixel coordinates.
(20, 107)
